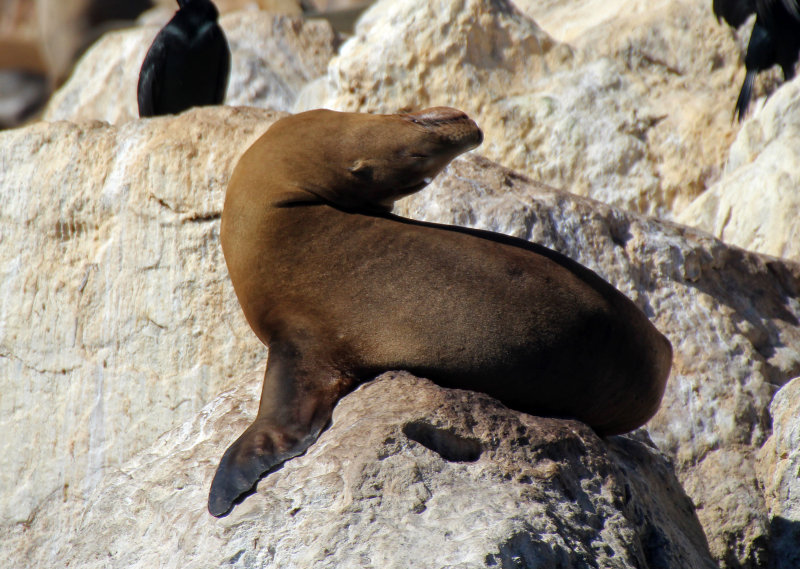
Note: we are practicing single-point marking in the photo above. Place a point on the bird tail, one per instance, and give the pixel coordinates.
(744, 95)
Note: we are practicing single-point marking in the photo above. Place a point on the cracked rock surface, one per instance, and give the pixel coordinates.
(110, 248)
(630, 106)
(112, 274)
(532, 492)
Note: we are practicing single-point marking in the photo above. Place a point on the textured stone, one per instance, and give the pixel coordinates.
(117, 319)
(779, 472)
(733, 318)
(109, 245)
(408, 475)
(634, 111)
(756, 204)
(272, 57)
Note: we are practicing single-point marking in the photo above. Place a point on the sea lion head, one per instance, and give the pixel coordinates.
(360, 161)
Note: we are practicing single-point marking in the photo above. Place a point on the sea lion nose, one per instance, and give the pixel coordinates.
(452, 125)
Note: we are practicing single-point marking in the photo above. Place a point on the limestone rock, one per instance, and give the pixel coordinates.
(272, 57)
(112, 276)
(408, 475)
(634, 111)
(756, 204)
(778, 468)
(733, 318)
(109, 246)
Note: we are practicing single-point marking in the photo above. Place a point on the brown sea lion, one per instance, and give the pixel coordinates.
(341, 290)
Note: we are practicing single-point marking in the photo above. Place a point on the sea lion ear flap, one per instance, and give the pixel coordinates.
(361, 169)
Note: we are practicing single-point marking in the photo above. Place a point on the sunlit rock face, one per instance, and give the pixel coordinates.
(631, 107)
(112, 275)
(778, 465)
(408, 475)
(756, 204)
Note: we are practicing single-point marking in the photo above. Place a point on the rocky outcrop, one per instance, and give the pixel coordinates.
(273, 57)
(67, 27)
(110, 247)
(112, 276)
(733, 319)
(756, 204)
(633, 111)
(118, 323)
(408, 475)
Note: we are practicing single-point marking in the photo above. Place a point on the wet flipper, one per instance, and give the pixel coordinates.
(297, 401)
(259, 449)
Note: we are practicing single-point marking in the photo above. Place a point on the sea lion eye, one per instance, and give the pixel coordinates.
(361, 170)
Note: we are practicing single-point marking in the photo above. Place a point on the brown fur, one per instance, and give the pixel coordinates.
(341, 291)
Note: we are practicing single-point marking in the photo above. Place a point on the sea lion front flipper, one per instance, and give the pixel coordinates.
(289, 420)
(260, 448)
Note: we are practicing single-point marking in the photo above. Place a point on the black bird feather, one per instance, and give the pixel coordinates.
(775, 39)
(188, 64)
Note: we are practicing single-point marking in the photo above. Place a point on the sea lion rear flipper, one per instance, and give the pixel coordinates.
(259, 449)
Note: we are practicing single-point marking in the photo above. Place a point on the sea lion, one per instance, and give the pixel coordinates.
(341, 290)
(188, 63)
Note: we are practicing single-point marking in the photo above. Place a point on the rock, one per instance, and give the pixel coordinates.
(335, 5)
(634, 111)
(732, 316)
(110, 247)
(407, 475)
(112, 276)
(778, 466)
(756, 204)
(272, 57)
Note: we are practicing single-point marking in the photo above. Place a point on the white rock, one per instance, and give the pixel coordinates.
(635, 111)
(756, 204)
(112, 275)
(408, 475)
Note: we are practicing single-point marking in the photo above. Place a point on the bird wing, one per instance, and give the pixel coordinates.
(151, 77)
(735, 12)
(223, 66)
(766, 9)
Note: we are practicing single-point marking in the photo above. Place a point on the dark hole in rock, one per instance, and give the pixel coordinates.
(449, 445)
